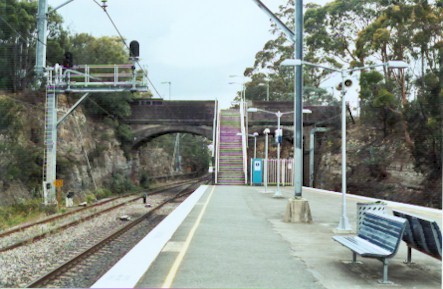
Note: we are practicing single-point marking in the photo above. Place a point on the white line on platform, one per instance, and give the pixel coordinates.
(128, 271)
(176, 265)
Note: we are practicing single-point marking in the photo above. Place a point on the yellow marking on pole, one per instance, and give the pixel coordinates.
(173, 271)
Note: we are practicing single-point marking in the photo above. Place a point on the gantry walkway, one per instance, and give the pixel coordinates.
(234, 237)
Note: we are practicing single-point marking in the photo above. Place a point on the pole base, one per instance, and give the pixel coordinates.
(278, 194)
(343, 226)
(297, 211)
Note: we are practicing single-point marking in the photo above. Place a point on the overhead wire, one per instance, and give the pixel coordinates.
(124, 42)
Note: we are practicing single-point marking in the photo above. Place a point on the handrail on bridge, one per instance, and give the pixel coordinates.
(244, 139)
(217, 146)
(97, 76)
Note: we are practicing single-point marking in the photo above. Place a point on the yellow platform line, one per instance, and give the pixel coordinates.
(173, 271)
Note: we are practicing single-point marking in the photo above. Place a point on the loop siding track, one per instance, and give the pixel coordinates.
(85, 268)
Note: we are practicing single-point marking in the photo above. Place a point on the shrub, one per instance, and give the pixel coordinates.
(102, 193)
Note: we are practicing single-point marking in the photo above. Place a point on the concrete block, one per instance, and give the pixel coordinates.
(297, 211)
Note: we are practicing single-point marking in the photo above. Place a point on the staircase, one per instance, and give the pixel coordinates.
(230, 155)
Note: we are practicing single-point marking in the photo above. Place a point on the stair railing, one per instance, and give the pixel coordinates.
(217, 147)
(244, 139)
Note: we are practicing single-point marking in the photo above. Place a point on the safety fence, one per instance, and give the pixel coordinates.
(286, 171)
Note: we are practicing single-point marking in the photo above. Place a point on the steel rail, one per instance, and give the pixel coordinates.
(59, 271)
(76, 222)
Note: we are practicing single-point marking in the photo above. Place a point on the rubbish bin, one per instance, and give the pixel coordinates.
(368, 207)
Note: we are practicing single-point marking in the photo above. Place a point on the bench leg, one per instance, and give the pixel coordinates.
(385, 272)
(409, 260)
(354, 257)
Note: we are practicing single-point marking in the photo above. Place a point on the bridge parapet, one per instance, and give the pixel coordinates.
(320, 116)
(157, 111)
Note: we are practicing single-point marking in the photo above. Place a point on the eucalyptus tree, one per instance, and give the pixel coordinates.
(17, 43)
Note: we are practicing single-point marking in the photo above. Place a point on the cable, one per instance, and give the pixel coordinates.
(20, 35)
(123, 40)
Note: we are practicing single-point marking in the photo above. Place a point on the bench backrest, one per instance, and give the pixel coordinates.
(382, 230)
(422, 234)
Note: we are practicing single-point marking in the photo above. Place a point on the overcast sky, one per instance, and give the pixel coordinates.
(194, 44)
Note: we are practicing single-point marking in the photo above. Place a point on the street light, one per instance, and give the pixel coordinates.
(279, 114)
(267, 89)
(344, 221)
(169, 83)
(265, 169)
(254, 135)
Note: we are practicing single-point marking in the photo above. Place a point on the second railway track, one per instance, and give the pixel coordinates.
(75, 244)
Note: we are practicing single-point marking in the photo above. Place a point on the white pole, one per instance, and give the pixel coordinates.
(266, 162)
(344, 222)
(278, 193)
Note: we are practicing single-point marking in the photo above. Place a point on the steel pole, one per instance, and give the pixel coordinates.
(42, 26)
(265, 169)
(344, 221)
(298, 101)
(255, 147)
(267, 91)
(278, 193)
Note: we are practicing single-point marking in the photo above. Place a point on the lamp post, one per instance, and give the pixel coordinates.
(279, 114)
(267, 89)
(395, 64)
(255, 135)
(265, 169)
(168, 83)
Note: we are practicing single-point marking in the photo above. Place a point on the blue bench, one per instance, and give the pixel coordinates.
(379, 237)
(421, 234)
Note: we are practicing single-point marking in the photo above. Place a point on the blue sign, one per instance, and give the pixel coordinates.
(257, 171)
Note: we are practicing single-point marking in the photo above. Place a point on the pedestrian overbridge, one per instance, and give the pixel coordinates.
(151, 118)
(319, 116)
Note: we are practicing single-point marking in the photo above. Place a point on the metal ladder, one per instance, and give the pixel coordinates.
(50, 123)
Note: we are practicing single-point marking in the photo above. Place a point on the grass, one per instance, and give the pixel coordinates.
(21, 212)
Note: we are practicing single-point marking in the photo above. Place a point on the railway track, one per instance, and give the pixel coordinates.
(97, 256)
(32, 232)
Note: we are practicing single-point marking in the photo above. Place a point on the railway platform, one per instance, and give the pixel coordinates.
(235, 237)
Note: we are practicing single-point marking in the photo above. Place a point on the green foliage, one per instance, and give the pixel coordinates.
(102, 193)
(90, 198)
(194, 152)
(114, 105)
(144, 180)
(124, 134)
(121, 184)
(19, 160)
(10, 122)
(425, 121)
(17, 43)
(20, 212)
(87, 49)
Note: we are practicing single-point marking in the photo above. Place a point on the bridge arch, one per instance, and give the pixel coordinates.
(148, 132)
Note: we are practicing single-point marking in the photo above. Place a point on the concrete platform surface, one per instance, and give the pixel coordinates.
(235, 237)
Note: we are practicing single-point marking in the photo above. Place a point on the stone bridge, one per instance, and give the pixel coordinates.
(151, 118)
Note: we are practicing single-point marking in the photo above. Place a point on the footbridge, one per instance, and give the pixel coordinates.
(318, 116)
(151, 118)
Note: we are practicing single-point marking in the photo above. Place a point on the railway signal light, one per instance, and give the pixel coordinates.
(134, 49)
(68, 61)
